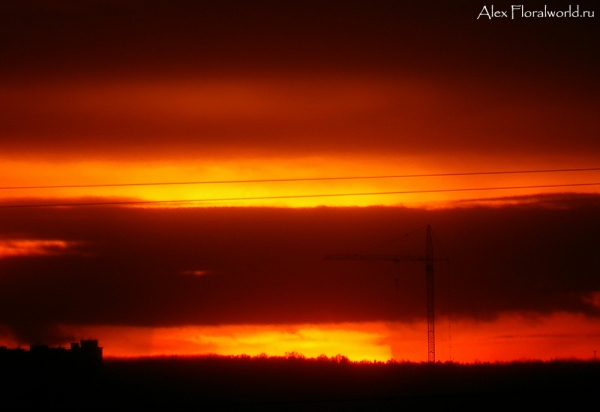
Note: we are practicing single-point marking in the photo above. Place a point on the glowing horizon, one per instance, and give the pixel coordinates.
(511, 338)
(99, 173)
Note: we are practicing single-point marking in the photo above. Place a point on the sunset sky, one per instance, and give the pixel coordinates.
(285, 132)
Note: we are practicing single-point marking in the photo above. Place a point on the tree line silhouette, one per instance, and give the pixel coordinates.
(295, 382)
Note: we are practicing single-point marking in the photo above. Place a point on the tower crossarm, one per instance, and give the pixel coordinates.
(428, 259)
(380, 257)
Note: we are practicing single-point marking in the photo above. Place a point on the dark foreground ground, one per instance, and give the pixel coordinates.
(269, 384)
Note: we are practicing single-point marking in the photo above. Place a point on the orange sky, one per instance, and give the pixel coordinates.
(509, 338)
(33, 173)
(242, 127)
(107, 93)
(512, 337)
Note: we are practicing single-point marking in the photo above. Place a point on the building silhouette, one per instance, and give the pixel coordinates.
(84, 356)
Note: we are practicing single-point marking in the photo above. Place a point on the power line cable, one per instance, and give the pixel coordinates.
(231, 199)
(304, 179)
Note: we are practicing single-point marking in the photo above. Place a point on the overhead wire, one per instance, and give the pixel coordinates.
(232, 199)
(300, 179)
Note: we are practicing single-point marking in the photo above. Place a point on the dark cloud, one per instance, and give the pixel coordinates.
(266, 266)
(328, 115)
(520, 87)
(183, 35)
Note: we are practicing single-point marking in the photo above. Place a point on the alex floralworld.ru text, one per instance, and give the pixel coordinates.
(520, 11)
